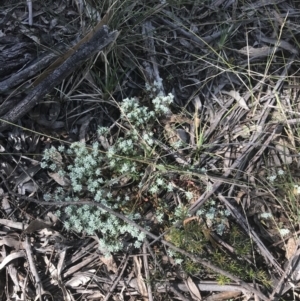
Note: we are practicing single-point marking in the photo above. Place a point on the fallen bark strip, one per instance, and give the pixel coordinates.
(205, 286)
(71, 50)
(33, 69)
(36, 277)
(100, 40)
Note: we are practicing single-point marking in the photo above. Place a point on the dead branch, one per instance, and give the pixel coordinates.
(100, 40)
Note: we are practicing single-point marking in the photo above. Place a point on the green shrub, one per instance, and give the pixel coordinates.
(103, 174)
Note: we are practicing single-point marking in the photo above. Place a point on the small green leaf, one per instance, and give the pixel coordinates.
(161, 167)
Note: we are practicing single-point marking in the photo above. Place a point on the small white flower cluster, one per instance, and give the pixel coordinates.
(209, 187)
(154, 89)
(181, 212)
(189, 195)
(148, 138)
(216, 218)
(136, 114)
(103, 130)
(284, 232)
(177, 144)
(50, 155)
(161, 103)
(176, 256)
(280, 172)
(159, 216)
(203, 170)
(297, 188)
(266, 215)
(85, 164)
(139, 116)
(271, 178)
(157, 185)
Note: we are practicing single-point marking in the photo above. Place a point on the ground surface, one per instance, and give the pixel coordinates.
(149, 150)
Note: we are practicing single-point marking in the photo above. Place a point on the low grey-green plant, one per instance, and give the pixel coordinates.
(216, 217)
(100, 174)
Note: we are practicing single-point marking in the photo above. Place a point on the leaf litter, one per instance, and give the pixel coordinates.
(235, 110)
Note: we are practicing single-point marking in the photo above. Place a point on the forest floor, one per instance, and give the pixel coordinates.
(150, 150)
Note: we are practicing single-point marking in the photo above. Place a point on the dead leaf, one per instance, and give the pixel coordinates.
(236, 95)
(12, 224)
(284, 153)
(198, 104)
(28, 175)
(52, 270)
(78, 280)
(193, 289)
(104, 142)
(110, 263)
(189, 219)
(11, 257)
(5, 203)
(27, 187)
(140, 280)
(257, 52)
(291, 248)
(27, 32)
(62, 181)
(36, 225)
(84, 128)
(224, 296)
(197, 122)
(239, 196)
(61, 261)
(278, 43)
(11, 241)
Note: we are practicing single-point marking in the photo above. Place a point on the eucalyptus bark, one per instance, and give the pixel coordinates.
(100, 39)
